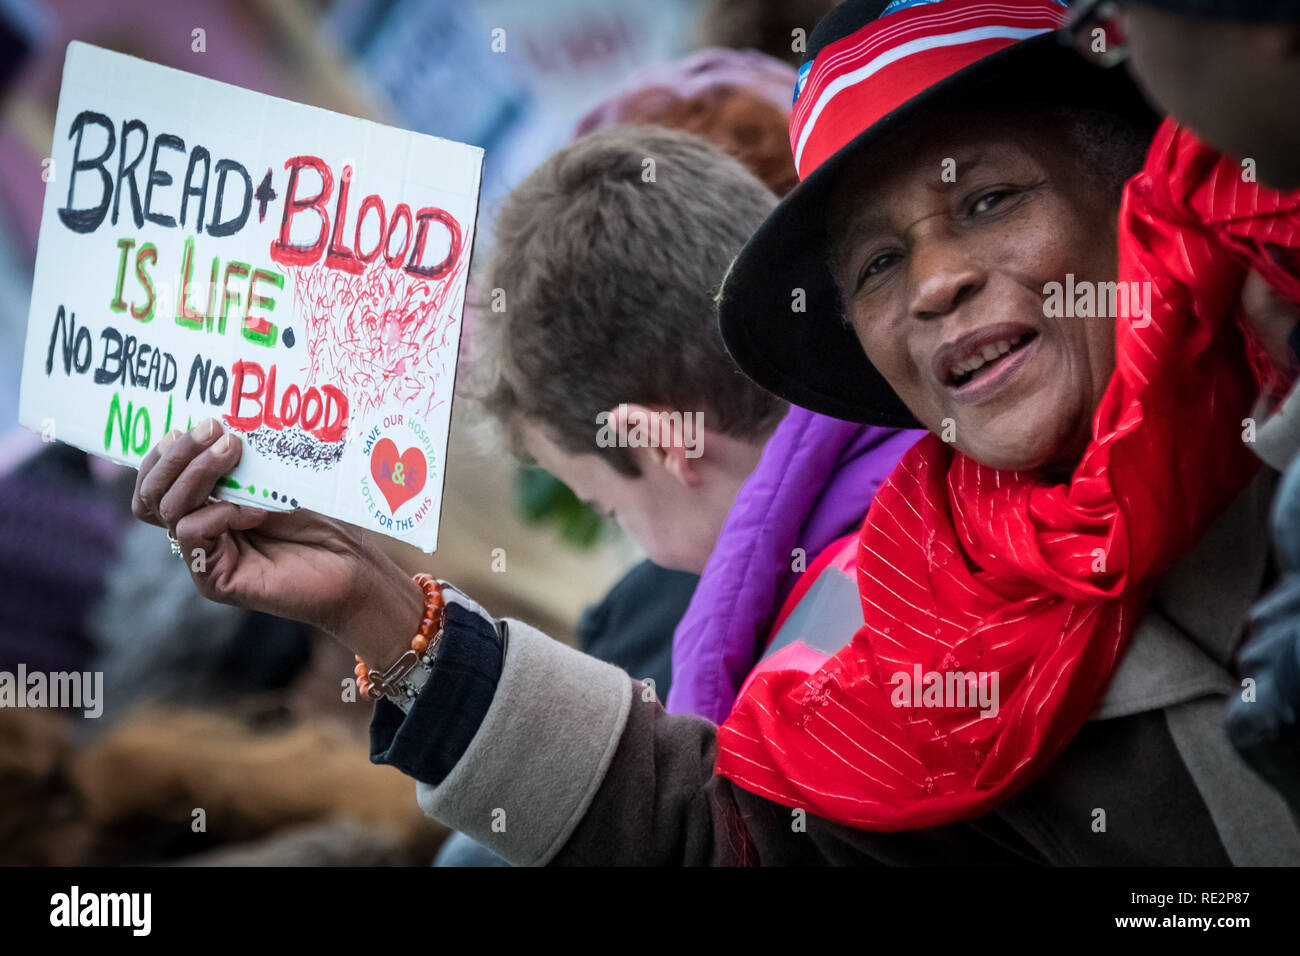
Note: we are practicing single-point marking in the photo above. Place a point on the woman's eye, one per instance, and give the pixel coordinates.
(989, 200)
(877, 265)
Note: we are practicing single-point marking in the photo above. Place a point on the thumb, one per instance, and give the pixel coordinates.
(247, 518)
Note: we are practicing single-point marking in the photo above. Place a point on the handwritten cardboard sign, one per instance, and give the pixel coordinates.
(206, 250)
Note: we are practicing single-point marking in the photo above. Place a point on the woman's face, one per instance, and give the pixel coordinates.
(942, 255)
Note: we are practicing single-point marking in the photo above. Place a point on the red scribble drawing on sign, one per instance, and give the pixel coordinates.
(384, 336)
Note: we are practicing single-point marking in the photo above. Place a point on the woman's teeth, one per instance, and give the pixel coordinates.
(963, 371)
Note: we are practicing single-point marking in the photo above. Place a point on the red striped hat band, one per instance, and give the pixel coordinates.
(862, 77)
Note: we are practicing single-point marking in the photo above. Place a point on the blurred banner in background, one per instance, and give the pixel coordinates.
(522, 71)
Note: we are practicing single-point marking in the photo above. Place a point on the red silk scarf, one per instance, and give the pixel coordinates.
(966, 569)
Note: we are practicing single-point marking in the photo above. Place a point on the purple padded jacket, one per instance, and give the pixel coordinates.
(813, 484)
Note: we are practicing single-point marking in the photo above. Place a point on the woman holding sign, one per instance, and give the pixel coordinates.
(1080, 534)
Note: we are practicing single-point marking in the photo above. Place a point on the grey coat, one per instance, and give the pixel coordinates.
(575, 763)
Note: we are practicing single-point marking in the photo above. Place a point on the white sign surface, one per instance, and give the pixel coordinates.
(206, 250)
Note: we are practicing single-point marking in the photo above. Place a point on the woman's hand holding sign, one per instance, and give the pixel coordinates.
(298, 565)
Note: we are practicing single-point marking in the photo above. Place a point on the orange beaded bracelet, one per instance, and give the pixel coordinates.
(423, 645)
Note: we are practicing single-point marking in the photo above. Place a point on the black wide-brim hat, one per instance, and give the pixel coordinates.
(872, 68)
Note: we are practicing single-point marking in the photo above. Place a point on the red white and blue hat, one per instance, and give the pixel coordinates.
(872, 67)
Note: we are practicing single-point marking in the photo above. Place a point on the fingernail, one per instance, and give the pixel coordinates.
(204, 430)
(167, 439)
(222, 446)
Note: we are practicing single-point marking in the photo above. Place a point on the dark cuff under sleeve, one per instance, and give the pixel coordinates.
(427, 742)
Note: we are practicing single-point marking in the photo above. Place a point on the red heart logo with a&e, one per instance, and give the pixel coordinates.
(400, 478)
